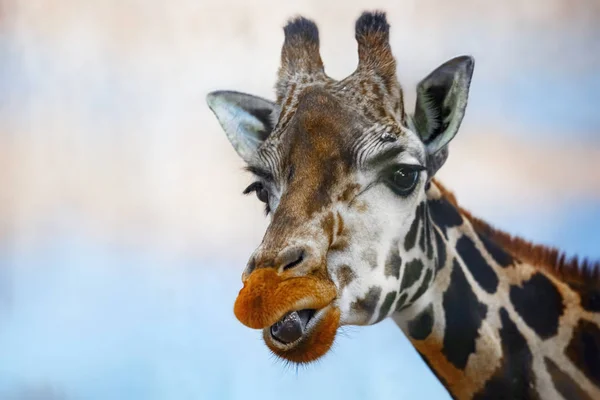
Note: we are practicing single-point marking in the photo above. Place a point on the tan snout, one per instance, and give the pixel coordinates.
(292, 280)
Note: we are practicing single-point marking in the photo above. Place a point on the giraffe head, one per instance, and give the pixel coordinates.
(342, 170)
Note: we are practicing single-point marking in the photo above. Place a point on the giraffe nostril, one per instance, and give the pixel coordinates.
(294, 263)
(292, 258)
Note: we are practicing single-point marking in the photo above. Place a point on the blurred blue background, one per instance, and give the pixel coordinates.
(123, 232)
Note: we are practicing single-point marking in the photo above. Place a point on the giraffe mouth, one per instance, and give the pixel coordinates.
(303, 336)
(298, 316)
(292, 326)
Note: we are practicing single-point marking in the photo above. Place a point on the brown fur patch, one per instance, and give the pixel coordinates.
(266, 296)
(571, 270)
(340, 227)
(584, 350)
(455, 379)
(314, 144)
(340, 244)
(345, 276)
(349, 192)
(367, 305)
(327, 224)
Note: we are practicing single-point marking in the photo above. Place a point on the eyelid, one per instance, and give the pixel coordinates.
(397, 166)
(414, 167)
(253, 187)
(259, 172)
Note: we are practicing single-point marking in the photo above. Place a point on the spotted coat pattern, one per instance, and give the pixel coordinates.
(496, 325)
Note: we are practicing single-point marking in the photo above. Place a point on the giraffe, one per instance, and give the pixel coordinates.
(360, 230)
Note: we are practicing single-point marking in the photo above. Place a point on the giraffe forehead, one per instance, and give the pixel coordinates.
(324, 126)
(322, 129)
(313, 153)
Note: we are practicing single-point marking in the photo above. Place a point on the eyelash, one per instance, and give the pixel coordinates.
(257, 187)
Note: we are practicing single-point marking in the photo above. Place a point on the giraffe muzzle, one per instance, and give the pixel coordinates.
(297, 315)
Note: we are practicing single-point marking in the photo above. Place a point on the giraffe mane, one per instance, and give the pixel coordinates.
(572, 270)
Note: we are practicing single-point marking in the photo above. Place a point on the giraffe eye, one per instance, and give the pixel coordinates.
(403, 179)
(261, 191)
(263, 195)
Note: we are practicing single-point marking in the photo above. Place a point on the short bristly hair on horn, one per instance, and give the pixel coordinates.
(373, 37)
(299, 55)
(375, 58)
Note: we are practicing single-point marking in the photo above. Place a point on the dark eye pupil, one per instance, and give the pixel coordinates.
(262, 195)
(404, 178)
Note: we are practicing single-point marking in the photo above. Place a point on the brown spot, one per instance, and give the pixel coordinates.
(455, 379)
(584, 350)
(340, 228)
(401, 301)
(345, 276)
(564, 384)
(393, 261)
(589, 297)
(340, 244)
(514, 377)
(424, 286)
(361, 207)
(387, 305)
(367, 304)
(411, 236)
(349, 192)
(327, 224)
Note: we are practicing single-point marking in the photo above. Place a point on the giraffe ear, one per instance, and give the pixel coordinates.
(441, 102)
(246, 119)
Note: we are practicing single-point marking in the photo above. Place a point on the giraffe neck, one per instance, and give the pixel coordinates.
(492, 323)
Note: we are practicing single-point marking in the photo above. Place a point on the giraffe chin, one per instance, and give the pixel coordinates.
(315, 342)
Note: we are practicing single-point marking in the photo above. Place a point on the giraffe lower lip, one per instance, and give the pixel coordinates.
(292, 326)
